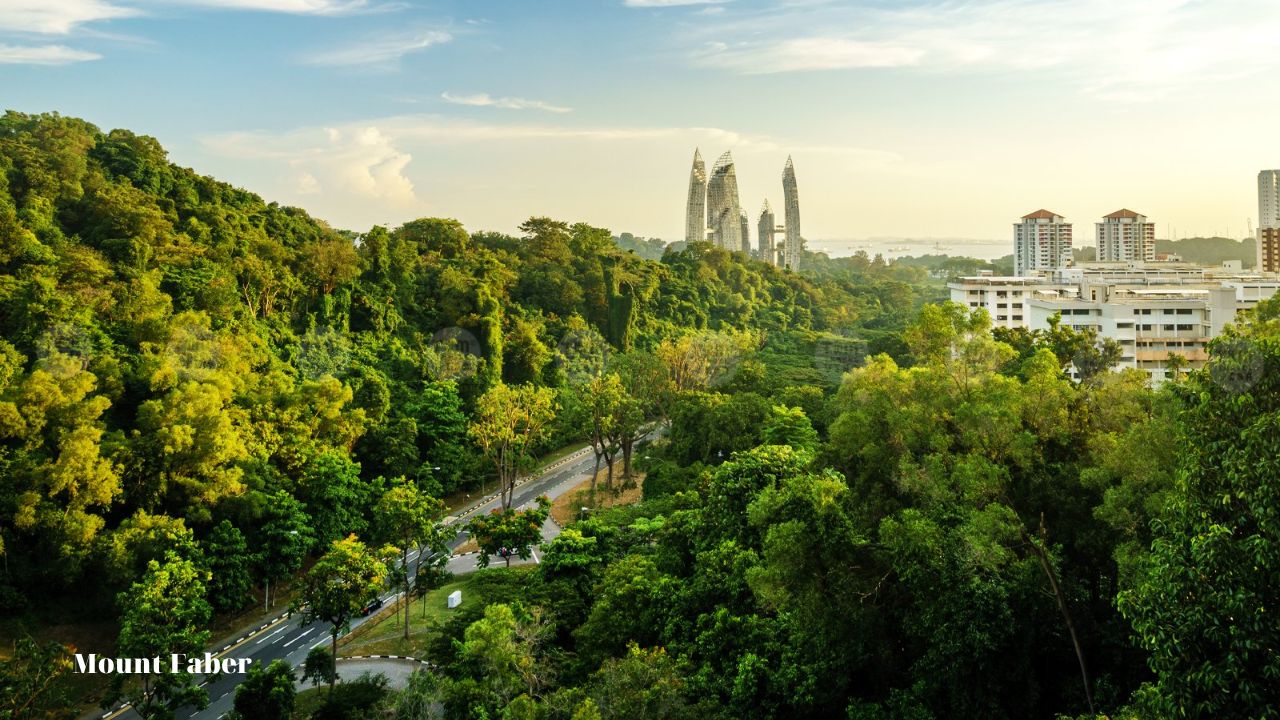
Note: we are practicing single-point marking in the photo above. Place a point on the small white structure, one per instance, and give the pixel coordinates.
(455, 599)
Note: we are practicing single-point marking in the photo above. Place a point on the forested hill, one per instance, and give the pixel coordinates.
(176, 350)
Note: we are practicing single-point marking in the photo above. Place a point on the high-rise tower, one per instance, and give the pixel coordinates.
(695, 224)
(723, 210)
(1268, 238)
(764, 229)
(1042, 241)
(791, 207)
(746, 232)
(1126, 236)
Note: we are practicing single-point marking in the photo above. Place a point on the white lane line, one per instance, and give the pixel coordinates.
(536, 561)
(286, 627)
(322, 641)
(299, 637)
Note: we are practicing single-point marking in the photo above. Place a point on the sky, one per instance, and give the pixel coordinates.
(905, 118)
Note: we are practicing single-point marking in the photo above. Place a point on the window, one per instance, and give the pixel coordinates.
(973, 304)
(1168, 327)
(1184, 311)
(1017, 317)
(1144, 327)
(1002, 317)
(1184, 327)
(1002, 305)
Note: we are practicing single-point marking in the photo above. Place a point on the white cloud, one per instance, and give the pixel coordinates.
(360, 161)
(43, 55)
(383, 52)
(57, 17)
(1113, 47)
(507, 103)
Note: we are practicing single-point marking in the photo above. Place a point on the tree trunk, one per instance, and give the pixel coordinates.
(266, 595)
(626, 457)
(333, 675)
(1062, 605)
(404, 560)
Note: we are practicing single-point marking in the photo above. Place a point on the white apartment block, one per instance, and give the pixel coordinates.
(1126, 236)
(1003, 297)
(1042, 241)
(1152, 311)
(1269, 199)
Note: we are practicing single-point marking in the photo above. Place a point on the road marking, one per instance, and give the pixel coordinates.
(299, 637)
(286, 627)
(536, 561)
(322, 641)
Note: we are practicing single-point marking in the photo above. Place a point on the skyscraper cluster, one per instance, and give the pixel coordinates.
(715, 213)
(1042, 240)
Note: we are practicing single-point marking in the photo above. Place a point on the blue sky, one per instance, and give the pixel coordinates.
(918, 118)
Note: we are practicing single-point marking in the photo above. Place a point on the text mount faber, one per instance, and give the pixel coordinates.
(715, 214)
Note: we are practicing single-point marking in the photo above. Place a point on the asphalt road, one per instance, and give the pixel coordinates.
(287, 638)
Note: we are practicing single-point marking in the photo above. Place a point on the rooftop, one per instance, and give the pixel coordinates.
(1123, 214)
(1041, 214)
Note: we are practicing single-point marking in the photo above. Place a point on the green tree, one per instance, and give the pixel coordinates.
(1204, 606)
(509, 532)
(162, 614)
(230, 567)
(32, 682)
(408, 517)
(645, 684)
(341, 582)
(283, 541)
(508, 421)
(319, 667)
(266, 694)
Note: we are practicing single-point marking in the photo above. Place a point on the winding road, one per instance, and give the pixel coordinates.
(285, 637)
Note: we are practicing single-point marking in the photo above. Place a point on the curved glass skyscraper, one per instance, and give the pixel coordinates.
(791, 203)
(695, 224)
(724, 213)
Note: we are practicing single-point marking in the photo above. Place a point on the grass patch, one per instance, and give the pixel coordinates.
(385, 636)
(567, 508)
(308, 701)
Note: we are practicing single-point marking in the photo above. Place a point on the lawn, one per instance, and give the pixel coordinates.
(567, 508)
(385, 636)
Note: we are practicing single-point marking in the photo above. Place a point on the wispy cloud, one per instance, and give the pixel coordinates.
(57, 17)
(669, 3)
(294, 7)
(1145, 47)
(43, 55)
(507, 103)
(383, 52)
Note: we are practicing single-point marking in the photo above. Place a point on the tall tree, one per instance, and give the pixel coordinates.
(508, 421)
(283, 541)
(162, 614)
(341, 582)
(230, 567)
(408, 517)
(1205, 604)
(32, 682)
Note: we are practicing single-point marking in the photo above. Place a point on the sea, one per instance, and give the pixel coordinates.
(896, 247)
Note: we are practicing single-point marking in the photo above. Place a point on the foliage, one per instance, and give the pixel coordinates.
(509, 532)
(266, 693)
